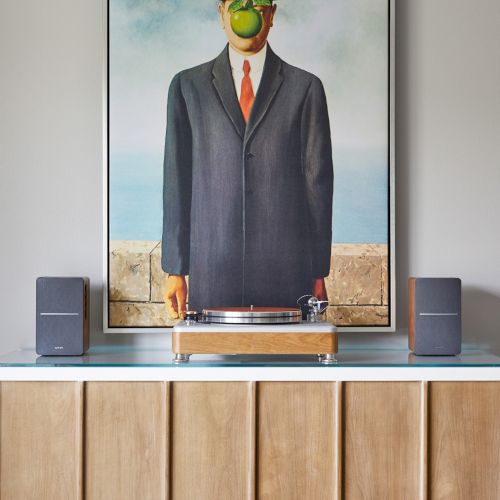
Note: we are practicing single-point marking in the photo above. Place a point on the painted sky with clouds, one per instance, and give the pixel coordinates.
(344, 42)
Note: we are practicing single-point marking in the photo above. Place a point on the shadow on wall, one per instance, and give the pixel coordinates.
(481, 318)
(403, 157)
(96, 300)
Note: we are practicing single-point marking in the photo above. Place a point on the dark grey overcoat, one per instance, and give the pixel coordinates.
(247, 209)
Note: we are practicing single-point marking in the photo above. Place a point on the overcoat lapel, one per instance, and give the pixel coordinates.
(224, 84)
(270, 83)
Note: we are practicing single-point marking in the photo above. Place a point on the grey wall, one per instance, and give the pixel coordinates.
(448, 156)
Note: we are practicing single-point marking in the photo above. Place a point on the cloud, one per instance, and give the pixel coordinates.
(344, 42)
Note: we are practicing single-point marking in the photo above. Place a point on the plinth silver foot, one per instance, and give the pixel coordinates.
(320, 357)
(328, 359)
(181, 358)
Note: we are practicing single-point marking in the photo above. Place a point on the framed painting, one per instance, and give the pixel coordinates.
(249, 159)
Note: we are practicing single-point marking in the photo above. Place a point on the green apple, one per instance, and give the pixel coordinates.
(246, 22)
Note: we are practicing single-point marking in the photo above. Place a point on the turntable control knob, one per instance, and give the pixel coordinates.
(191, 316)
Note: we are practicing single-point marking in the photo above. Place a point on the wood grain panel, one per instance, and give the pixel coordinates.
(382, 440)
(126, 443)
(297, 440)
(464, 440)
(255, 343)
(212, 440)
(41, 440)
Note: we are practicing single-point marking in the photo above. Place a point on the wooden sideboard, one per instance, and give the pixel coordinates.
(247, 440)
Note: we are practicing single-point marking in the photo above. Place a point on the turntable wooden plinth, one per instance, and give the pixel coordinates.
(265, 336)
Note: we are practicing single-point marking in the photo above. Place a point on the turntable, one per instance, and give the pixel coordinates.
(256, 330)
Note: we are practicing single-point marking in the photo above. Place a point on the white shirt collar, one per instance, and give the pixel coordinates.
(256, 60)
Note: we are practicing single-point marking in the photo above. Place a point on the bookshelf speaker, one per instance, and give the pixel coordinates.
(62, 316)
(435, 316)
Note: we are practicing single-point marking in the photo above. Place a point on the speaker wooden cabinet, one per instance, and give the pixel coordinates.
(248, 440)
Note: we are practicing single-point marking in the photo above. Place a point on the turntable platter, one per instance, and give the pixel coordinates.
(252, 315)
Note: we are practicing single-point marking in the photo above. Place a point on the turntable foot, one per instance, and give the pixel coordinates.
(181, 358)
(327, 359)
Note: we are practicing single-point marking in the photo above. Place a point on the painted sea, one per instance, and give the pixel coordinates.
(360, 206)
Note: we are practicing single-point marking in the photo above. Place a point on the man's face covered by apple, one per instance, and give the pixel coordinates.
(247, 23)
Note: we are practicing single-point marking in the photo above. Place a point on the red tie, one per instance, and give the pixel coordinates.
(246, 96)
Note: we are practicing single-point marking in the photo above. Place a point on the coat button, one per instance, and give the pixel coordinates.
(249, 156)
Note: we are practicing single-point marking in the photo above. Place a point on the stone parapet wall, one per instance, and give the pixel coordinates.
(357, 285)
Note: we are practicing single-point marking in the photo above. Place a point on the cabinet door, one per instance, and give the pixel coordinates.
(298, 440)
(384, 427)
(213, 440)
(126, 444)
(464, 440)
(41, 440)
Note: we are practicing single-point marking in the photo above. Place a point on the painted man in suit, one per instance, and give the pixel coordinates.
(248, 179)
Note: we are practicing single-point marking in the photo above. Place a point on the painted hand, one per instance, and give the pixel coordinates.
(319, 289)
(174, 295)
